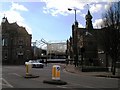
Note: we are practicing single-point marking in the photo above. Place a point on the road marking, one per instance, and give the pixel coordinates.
(16, 74)
(61, 87)
(6, 83)
(76, 84)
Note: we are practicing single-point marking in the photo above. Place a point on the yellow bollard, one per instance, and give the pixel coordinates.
(56, 72)
(27, 69)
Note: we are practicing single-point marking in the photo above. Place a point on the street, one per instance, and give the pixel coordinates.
(13, 77)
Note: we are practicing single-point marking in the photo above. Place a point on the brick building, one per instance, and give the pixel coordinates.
(16, 43)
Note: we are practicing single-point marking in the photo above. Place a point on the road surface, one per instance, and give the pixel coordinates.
(13, 77)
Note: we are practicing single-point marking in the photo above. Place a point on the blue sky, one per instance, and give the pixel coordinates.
(50, 19)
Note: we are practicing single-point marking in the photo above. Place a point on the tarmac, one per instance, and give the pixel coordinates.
(77, 70)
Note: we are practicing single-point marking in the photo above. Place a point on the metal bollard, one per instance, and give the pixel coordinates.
(56, 72)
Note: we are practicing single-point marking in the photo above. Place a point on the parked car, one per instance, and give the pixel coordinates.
(36, 64)
(40, 60)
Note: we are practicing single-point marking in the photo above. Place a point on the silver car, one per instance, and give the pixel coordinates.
(36, 64)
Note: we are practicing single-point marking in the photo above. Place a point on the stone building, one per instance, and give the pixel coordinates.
(82, 47)
(16, 43)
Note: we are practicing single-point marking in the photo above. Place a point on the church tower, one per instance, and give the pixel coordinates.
(88, 18)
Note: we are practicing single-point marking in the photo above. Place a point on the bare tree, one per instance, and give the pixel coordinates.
(111, 21)
(104, 43)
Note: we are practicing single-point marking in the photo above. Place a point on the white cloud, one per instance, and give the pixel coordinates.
(55, 7)
(83, 15)
(95, 8)
(16, 6)
(107, 6)
(80, 25)
(46, 0)
(101, 0)
(15, 16)
(97, 23)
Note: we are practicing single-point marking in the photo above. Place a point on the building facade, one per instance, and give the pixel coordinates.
(16, 43)
(82, 47)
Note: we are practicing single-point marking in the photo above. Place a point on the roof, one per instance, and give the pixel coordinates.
(22, 31)
(14, 27)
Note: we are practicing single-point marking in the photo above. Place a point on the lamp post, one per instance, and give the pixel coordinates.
(75, 49)
(75, 12)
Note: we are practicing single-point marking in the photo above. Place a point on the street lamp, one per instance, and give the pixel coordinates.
(75, 12)
(75, 49)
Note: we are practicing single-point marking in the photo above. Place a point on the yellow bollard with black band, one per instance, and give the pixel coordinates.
(56, 72)
(55, 76)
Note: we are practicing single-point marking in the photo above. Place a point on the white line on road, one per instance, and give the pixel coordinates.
(61, 87)
(16, 74)
(86, 86)
(8, 84)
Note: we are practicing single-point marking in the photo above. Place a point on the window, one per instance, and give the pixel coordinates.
(4, 42)
(20, 42)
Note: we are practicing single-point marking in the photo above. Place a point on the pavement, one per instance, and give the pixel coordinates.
(72, 69)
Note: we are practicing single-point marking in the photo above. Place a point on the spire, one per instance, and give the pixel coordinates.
(4, 19)
(88, 18)
(89, 12)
